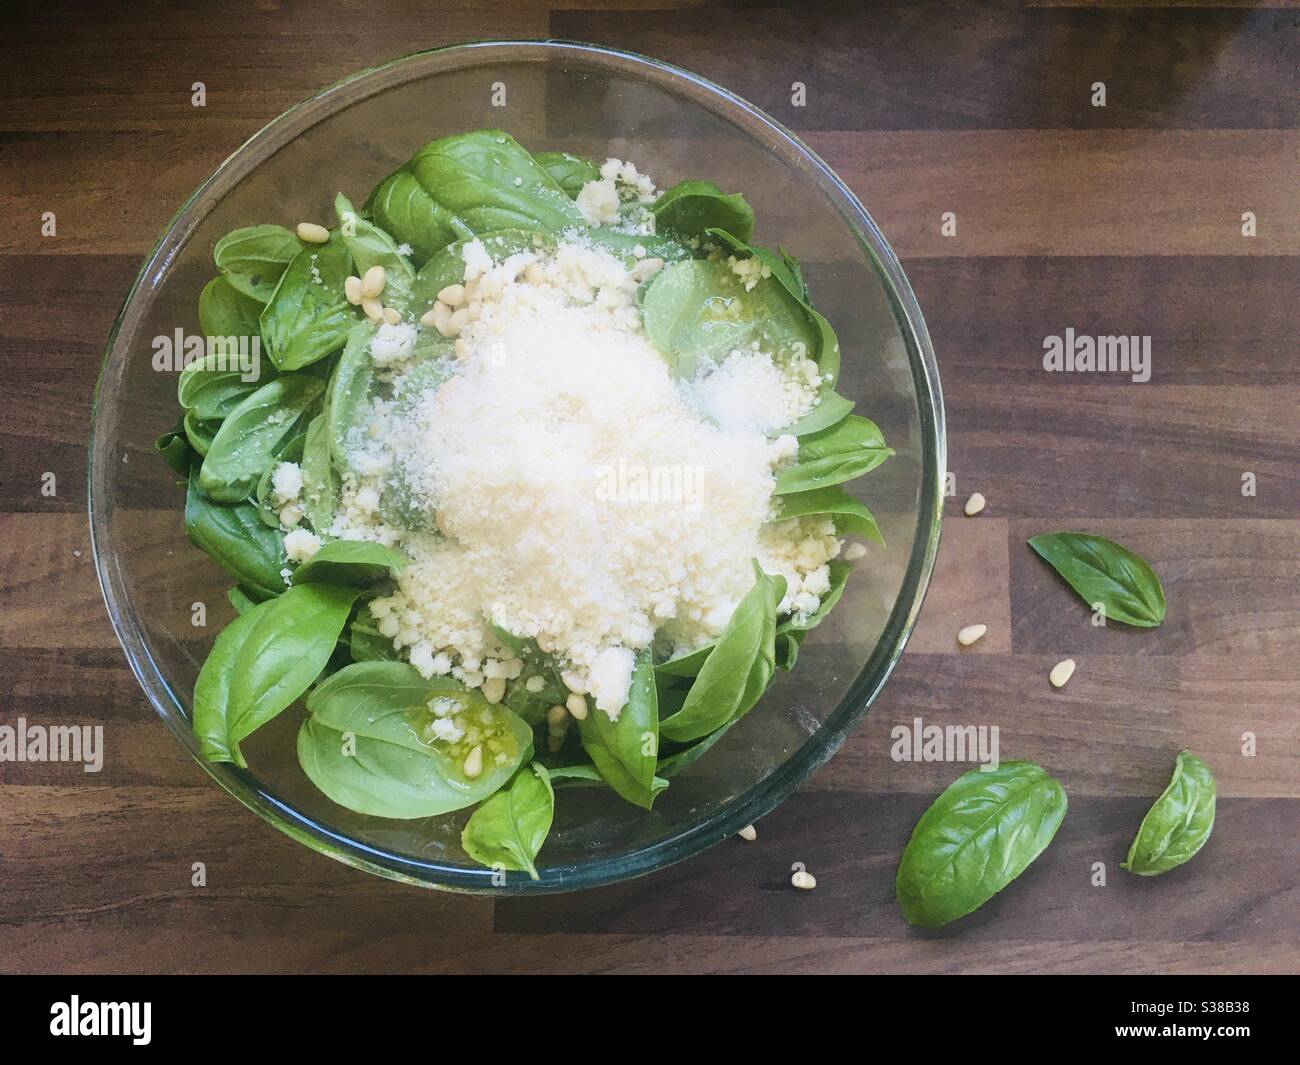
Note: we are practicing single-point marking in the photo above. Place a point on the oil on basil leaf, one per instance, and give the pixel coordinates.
(1179, 822)
(977, 837)
(626, 751)
(1105, 572)
(253, 259)
(507, 830)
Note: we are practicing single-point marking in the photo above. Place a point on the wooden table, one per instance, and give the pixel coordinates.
(1123, 219)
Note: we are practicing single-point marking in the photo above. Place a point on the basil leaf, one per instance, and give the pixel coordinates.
(262, 662)
(367, 643)
(371, 246)
(308, 316)
(849, 515)
(509, 829)
(681, 760)
(977, 837)
(787, 650)
(254, 258)
(350, 563)
(687, 665)
(175, 449)
(1102, 571)
(831, 408)
(348, 401)
(1178, 823)
(839, 575)
(320, 481)
(850, 448)
(447, 266)
(290, 451)
(568, 171)
(225, 311)
(362, 745)
(199, 431)
(241, 600)
(624, 246)
(401, 206)
(253, 434)
(690, 208)
(738, 668)
(576, 776)
(626, 751)
(234, 537)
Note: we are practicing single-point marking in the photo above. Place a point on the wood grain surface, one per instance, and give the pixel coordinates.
(1123, 219)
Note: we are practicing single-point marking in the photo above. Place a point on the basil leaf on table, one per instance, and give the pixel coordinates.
(362, 748)
(253, 433)
(626, 751)
(306, 319)
(351, 563)
(262, 662)
(508, 829)
(738, 668)
(1178, 823)
(253, 259)
(852, 447)
(1105, 572)
(233, 536)
(977, 837)
(568, 171)
(371, 246)
(690, 208)
(850, 516)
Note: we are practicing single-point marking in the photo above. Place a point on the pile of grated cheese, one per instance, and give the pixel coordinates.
(561, 484)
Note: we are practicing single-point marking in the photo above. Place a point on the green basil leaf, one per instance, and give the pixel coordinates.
(225, 311)
(253, 434)
(830, 409)
(850, 516)
(308, 316)
(1179, 822)
(739, 667)
(363, 745)
(348, 401)
(254, 258)
(400, 205)
(624, 246)
(787, 650)
(371, 246)
(508, 830)
(568, 171)
(233, 536)
(241, 600)
(977, 837)
(576, 776)
(291, 451)
(679, 761)
(447, 266)
(320, 480)
(1102, 571)
(852, 447)
(687, 665)
(263, 661)
(367, 643)
(839, 575)
(690, 208)
(199, 431)
(626, 751)
(174, 447)
(350, 563)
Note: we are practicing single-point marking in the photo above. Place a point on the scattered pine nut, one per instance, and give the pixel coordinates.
(452, 295)
(373, 308)
(372, 282)
(392, 315)
(748, 834)
(970, 634)
(577, 706)
(352, 289)
(803, 880)
(974, 504)
(474, 763)
(854, 552)
(312, 233)
(1061, 672)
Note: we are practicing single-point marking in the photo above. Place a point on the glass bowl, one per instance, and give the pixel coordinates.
(596, 102)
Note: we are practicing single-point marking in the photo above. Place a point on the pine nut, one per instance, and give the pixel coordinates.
(494, 689)
(372, 282)
(854, 552)
(461, 348)
(459, 319)
(557, 716)
(1061, 672)
(373, 308)
(970, 634)
(312, 233)
(426, 319)
(748, 834)
(574, 682)
(442, 319)
(452, 295)
(534, 274)
(474, 763)
(577, 706)
(974, 504)
(352, 289)
(534, 684)
(803, 880)
(392, 315)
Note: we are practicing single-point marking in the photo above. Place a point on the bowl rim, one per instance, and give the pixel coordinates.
(761, 797)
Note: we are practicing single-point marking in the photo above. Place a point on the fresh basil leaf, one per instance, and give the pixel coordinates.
(839, 575)
(568, 171)
(739, 667)
(233, 536)
(850, 448)
(787, 650)
(362, 744)
(687, 665)
(199, 431)
(447, 266)
(367, 644)
(977, 837)
(308, 316)
(830, 409)
(174, 447)
(1178, 823)
(507, 830)
(850, 516)
(576, 776)
(253, 434)
(351, 563)
(254, 258)
(320, 480)
(262, 662)
(690, 208)
(214, 385)
(348, 401)
(624, 246)
(371, 246)
(241, 600)
(225, 311)
(626, 751)
(291, 451)
(682, 760)
(1102, 571)
(401, 206)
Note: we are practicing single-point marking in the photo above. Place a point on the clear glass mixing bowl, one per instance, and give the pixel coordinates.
(596, 102)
